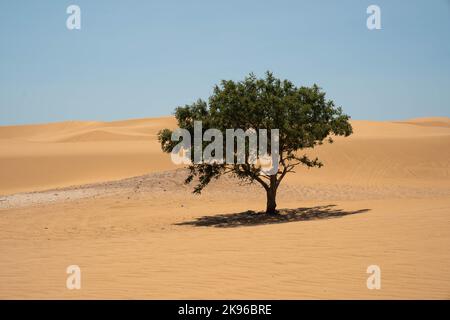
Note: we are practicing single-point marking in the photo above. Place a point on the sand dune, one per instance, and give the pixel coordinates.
(429, 122)
(383, 197)
(39, 157)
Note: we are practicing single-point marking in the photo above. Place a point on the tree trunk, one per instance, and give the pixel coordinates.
(271, 196)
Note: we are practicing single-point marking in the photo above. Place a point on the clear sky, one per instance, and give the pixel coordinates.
(136, 59)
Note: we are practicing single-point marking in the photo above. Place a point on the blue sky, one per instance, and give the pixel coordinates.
(136, 59)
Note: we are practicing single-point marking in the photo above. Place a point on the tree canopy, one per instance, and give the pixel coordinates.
(303, 116)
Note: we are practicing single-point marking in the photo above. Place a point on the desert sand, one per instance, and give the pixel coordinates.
(101, 195)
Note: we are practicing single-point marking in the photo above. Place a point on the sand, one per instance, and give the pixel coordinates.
(103, 196)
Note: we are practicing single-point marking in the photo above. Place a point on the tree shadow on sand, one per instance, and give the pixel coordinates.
(252, 218)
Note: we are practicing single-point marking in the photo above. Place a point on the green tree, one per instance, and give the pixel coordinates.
(304, 117)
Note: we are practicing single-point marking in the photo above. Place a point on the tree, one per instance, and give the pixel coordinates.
(304, 117)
